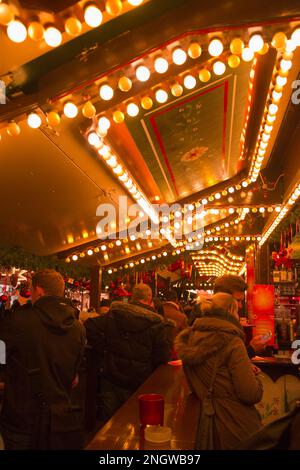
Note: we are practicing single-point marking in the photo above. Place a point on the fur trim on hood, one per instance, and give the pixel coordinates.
(207, 337)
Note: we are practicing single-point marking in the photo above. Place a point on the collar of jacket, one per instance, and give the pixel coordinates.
(138, 309)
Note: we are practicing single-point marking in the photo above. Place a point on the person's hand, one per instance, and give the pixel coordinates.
(256, 369)
(258, 344)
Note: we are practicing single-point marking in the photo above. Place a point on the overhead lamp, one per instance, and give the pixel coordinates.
(70, 110)
(215, 47)
(16, 31)
(142, 73)
(132, 109)
(103, 124)
(189, 82)
(161, 96)
(256, 43)
(179, 56)
(106, 92)
(52, 36)
(161, 65)
(92, 16)
(219, 68)
(34, 121)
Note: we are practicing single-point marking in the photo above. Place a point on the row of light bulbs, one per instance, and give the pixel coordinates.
(93, 16)
(209, 258)
(250, 92)
(234, 260)
(285, 209)
(279, 80)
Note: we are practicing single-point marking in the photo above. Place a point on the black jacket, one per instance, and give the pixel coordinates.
(132, 341)
(47, 337)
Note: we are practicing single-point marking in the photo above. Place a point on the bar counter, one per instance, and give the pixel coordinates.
(123, 432)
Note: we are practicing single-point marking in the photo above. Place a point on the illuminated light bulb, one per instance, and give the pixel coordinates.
(34, 121)
(194, 50)
(236, 46)
(176, 90)
(103, 247)
(270, 209)
(112, 162)
(88, 110)
(113, 7)
(118, 116)
(161, 65)
(53, 118)
(273, 108)
(110, 271)
(290, 46)
(215, 48)
(256, 42)
(93, 16)
(231, 190)
(124, 84)
(73, 26)
(106, 92)
(285, 65)
(94, 140)
(132, 109)
(118, 170)
(36, 31)
(135, 3)
(179, 56)
(270, 119)
(104, 151)
(268, 129)
(245, 184)
(218, 196)
(189, 82)
(279, 40)
(6, 14)
(124, 177)
(142, 73)
(261, 152)
(70, 110)
(264, 49)
(204, 75)
(281, 81)
(118, 243)
(219, 68)
(13, 129)
(74, 257)
(16, 31)
(146, 102)
(204, 202)
(52, 36)
(296, 37)
(234, 61)
(161, 96)
(247, 54)
(90, 252)
(276, 96)
(231, 210)
(103, 124)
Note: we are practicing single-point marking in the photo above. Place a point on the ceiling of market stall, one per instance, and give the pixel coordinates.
(181, 111)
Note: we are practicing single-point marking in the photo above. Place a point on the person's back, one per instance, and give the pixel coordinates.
(44, 347)
(172, 311)
(132, 340)
(217, 340)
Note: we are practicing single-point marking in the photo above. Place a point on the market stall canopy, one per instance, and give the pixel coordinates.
(182, 103)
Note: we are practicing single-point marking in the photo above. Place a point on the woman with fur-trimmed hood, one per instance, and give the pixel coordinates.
(218, 335)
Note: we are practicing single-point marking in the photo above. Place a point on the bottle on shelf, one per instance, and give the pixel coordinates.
(276, 275)
(283, 274)
(290, 275)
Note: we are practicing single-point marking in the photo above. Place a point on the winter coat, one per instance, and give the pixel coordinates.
(132, 341)
(172, 312)
(236, 388)
(56, 340)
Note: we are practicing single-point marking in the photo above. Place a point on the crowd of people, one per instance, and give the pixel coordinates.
(46, 339)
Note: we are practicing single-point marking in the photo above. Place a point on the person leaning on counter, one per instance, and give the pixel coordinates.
(236, 286)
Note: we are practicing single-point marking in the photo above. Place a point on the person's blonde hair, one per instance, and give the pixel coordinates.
(141, 292)
(50, 281)
(222, 301)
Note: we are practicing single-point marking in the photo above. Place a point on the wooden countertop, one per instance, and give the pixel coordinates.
(123, 432)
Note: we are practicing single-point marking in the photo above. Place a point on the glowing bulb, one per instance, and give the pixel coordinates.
(94, 140)
(70, 110)
(219, 68)
(231, 190)
(13, 129)
(34, 121)
(179, 56)
(73, 26)
(256, 43)
(296, 37)
(234, 61)
(106, 92)
(189, 82)
(290, 46)
(194, 50)
(161, 96)
(90, 252)
(142, 73)
(104, 151)
(285, 65)
(132, 109)
(6, 14)
(118, 117)
(88, 110)
(74, 257)
(276, 96)
(135, 3)
(16, 31)
(92, 16)
(52, 36)
(281, 81)
(204, 75)
(125, 84)
(161, 65)
(103, 124)
(247, 54)
(273, 108)
(103, 247)
(236, 46)
(53, 119)
(176, 89)
(36, 31)
(215, 47)
(279, 40)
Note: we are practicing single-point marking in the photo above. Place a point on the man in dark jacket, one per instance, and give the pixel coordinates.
(44, 346)
(132, 340)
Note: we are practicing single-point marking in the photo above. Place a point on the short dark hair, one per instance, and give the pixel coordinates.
(230, 284)
(50, 280)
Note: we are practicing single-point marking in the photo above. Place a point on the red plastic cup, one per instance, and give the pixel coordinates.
(151, 409)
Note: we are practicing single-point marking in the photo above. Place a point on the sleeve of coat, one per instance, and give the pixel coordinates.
(95, 333)
(246, 384)
(162, 342)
